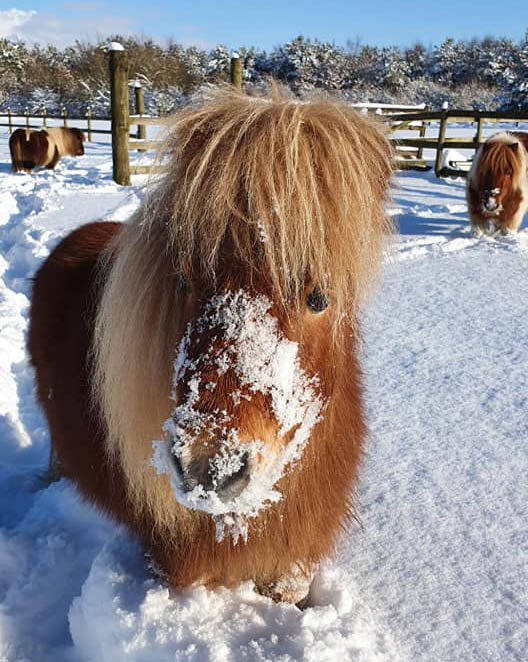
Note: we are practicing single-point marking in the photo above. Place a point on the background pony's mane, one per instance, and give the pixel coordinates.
(500, 159)
(294, 191)
(66, 140)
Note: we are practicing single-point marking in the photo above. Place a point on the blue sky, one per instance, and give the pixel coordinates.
(263, 24)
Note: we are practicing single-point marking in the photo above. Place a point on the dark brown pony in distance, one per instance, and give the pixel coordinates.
(497, 185)
(219, 326)
(30, 149)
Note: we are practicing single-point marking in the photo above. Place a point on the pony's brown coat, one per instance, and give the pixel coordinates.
(44, 148)
(266, 195)
(501, 163)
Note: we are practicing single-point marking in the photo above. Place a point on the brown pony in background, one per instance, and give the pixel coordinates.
(44, 148)
(497, 184)
(268, 219)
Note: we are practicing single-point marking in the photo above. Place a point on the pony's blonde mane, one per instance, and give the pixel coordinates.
(298, 189)
(297, 193)
(500, 159)
(65, 141)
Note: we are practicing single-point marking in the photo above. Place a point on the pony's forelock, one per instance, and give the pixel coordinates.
(297, 189)
(496, 156)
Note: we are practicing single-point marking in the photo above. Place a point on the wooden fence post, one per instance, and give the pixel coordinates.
(119, 110)
(423, 130)
(10, 121)
(440, 145)
(140, 110)
(89, 123)
(44, 114)
(236, 70)
(65, 116)
(26, 113)
(478, 137)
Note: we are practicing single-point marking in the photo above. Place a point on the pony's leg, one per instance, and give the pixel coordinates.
(512, 225)
(292, 587)
(54, 160)
(54, 471)
(477, 224)
(491, 227)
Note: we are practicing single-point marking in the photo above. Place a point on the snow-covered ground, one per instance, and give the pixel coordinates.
(438, 568)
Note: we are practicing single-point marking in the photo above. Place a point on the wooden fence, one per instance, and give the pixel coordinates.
(409, 151)
(423, 119)
(122, 120)
(14, 120)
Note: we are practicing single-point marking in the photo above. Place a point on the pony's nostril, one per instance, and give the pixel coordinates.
(189, 482)
(230, 486)
(177, 464)
(214, 478)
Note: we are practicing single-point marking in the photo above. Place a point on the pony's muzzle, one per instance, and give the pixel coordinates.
(491, 203)
(227, 484)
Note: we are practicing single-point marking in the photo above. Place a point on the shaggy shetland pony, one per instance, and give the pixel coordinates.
(497, 185)
(198, 364)
(44, 148)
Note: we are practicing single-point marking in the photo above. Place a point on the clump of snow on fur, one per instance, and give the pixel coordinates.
(264, 361)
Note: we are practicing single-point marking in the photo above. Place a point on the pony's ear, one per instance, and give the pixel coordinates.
(514, 147)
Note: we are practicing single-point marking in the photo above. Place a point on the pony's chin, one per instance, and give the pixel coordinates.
(232, 517)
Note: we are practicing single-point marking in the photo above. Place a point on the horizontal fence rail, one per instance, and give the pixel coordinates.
(147, 119)
(141, 143)
(144, 169)
(462, 116)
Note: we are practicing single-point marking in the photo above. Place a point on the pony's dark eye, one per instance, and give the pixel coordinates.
(316, 301)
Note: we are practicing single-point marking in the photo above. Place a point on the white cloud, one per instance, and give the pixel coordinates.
(33, 27)
(11, 20)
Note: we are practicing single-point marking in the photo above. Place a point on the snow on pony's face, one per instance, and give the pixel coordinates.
(247, 398)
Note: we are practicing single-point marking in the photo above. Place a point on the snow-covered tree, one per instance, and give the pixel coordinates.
(480, 73)
(304, 64)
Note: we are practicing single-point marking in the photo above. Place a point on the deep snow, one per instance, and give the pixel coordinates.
(436, 571)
